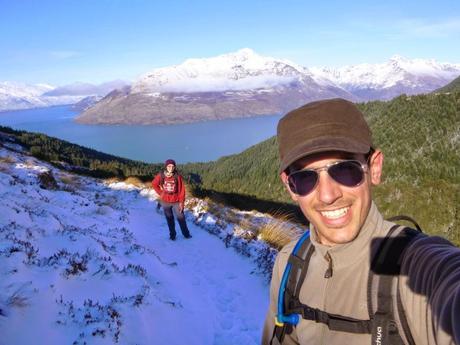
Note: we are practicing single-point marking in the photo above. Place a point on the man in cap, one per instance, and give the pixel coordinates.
(170, 187)
(328, 165)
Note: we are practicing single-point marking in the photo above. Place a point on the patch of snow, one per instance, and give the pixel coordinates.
(90, 262)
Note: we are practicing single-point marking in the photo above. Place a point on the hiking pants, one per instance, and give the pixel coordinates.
(168, 210)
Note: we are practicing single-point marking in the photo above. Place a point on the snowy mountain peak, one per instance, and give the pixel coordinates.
(425, 66)
(15, 95)
(399, 73)
(240, 56)
(23, 90)
(240, 70)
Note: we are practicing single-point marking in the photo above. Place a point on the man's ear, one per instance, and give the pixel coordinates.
(284, 179)
(376, 167)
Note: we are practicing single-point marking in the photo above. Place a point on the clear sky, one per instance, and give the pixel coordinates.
(64, 41)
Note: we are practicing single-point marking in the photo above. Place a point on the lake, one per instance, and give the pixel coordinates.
(194, 142)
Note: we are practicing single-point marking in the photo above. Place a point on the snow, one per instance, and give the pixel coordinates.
(15, 96)
(241, 70)
(247, 70)
(384, 75)
(86, 262)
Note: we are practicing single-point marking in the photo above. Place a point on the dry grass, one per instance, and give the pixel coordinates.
(18, 301)
(193, 202)
(7, 159)
(279, 231)
(246, 229)
(136, 182)
(111, 180)
(30, 162)
(70, 180)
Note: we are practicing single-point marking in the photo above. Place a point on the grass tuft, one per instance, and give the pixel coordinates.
(279, 231)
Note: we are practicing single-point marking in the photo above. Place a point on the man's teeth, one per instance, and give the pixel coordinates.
(335, 213)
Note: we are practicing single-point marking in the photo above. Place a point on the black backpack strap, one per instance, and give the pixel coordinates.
(407, 219)
(299, 262)
(334, 322)
(387, 265)
(403, 318)
(162, 178)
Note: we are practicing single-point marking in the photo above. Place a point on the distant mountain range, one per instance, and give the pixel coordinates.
(232, 85)
(393, 78)
(15, 96)
(243, 83)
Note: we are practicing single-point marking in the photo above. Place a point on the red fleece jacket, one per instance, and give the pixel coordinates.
(177, 196)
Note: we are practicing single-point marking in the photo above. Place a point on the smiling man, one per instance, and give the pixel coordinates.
(354, 278)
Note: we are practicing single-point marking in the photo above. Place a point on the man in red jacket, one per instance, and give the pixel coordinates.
(170, 187)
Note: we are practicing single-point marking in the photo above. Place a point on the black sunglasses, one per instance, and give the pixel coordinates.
(349, 173)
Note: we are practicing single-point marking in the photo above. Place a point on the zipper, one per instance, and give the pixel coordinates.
(327, 275)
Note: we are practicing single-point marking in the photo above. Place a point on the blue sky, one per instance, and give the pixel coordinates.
(64, 41)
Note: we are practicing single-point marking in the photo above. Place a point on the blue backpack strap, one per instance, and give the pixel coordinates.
(291, 282)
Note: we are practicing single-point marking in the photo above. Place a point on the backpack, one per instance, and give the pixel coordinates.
(162, 181)
(385, 266)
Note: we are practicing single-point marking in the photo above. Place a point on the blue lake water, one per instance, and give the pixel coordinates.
(195, 142)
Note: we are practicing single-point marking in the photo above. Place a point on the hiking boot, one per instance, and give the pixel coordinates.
(172, 238)
(188, 236)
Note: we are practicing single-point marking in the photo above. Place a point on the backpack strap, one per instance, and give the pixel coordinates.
(407, 219)
(162, 178)
(382, 323)
(298, 262)
(386, 264)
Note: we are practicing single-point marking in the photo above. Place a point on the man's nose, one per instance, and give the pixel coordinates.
(328, 190)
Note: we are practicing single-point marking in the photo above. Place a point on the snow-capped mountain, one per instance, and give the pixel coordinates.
(21, 96)
(392, 78)
(15, 96)
(237, 84)
(242, 70)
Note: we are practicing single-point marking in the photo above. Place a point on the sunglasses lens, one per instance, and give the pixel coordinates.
(347, 173)
(303, 182)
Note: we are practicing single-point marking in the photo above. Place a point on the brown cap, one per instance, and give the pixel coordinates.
(329, 125)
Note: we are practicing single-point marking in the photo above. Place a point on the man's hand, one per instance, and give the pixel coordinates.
(181, 207)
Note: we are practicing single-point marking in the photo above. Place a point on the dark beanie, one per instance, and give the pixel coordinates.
(329, 125)
(170, 161)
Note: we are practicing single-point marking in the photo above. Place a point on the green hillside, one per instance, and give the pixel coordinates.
(76, 158)
(453, 86)
(420, 136)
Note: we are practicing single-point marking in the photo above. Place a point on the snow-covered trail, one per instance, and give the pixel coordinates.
(87, 263)
(214, 285)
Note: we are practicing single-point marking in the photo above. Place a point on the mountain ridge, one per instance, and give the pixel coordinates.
(18, 96)
(244, 83)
